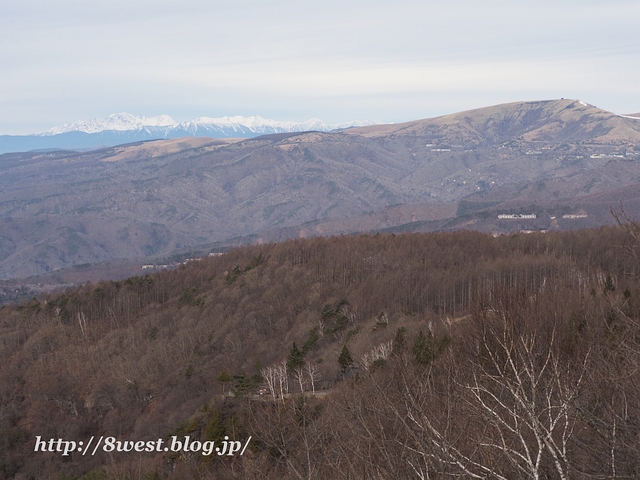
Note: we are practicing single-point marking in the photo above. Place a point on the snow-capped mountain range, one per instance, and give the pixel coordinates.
(122, 128)
(227, 125)
(117, 121)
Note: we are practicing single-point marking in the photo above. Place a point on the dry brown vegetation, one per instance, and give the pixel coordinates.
(155, 199)
(443, 355)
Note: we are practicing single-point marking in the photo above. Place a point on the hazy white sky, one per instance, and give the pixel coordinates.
(67, 60)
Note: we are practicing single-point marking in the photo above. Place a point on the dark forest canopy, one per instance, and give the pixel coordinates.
(433, 355)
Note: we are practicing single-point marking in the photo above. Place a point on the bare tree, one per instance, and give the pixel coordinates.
(270, 375)
(631, 228)
(380, 352)
(276, 380)
(299, 376)
(82, 322)
(314, 375)
(283, 379)
(526, 395)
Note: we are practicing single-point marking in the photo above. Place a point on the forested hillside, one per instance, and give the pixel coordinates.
(430, 356)
(159, 198)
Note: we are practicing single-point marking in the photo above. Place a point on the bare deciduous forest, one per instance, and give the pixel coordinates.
(408, 356)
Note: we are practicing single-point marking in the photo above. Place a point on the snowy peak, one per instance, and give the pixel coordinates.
(165, 125)
(121, 128)
(255, 124)
(115, 122)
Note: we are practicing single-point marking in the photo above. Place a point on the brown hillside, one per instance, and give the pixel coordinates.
(153, 199)
(460, 332)
(556, 121)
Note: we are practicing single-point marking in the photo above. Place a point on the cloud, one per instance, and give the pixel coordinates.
(89, 59)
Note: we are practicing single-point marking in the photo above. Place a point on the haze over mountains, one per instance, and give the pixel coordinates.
(125, 128)
(548, 158)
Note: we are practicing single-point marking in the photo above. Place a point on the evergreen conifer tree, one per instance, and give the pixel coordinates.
(295, 358)
(344, 359)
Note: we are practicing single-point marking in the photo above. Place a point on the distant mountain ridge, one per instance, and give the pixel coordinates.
(151, 199)
(117, 121)
(553, 121)
(123, 127)
(256, 124)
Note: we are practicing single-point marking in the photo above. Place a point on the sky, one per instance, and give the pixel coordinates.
(69, 60)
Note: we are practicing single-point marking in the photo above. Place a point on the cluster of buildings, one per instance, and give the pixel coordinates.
(512, 216)
(174, 265)
(517, 216)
